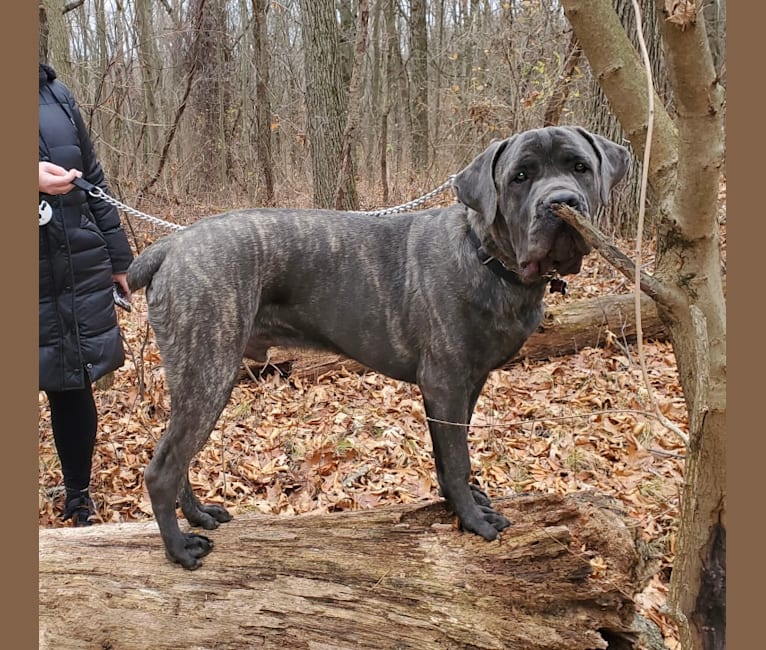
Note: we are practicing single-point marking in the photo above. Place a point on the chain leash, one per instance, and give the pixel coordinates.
(97, 192)
(410, 205)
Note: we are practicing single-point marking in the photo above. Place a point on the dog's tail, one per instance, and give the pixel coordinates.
(143, 268)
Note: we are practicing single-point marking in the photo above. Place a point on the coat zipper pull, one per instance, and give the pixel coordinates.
(44, 213)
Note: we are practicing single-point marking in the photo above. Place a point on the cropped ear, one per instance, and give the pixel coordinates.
(614, 159)
(475, 185)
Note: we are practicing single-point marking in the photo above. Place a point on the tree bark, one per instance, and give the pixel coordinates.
(565, 329)
(261, 59)
(418, 67)
(42, 48)
(389, 94)
(562, 577)
(326, 100)
(620, 216)
(715, 26)
(616, 65)
(345, 176)
(689, 260)
(148, 60)
(684, 170)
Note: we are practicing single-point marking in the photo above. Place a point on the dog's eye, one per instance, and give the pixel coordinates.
(580, 167)
(520, 177)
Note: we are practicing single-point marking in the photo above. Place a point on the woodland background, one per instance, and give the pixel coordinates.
(204, 104)
(198, 106)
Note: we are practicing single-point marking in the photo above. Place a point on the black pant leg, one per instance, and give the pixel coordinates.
(74, 421)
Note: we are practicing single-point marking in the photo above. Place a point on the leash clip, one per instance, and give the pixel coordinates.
(119, 298)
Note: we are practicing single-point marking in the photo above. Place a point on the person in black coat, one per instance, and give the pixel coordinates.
(83, 253)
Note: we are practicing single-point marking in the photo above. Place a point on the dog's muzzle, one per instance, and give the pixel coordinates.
(554, 246)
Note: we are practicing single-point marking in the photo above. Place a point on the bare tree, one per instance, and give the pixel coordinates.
(210, 99)
(561, 93)
(42, 49)
(437, 72)
(326, 98)
(715, 26)
(684, 170)
(620, 215)
(354, 111)
(148, 60)
(261, 60)
(418, 70)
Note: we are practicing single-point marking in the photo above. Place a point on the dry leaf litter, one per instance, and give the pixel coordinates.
(347, 441)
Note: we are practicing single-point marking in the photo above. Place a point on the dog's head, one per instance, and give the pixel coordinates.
(513, 183)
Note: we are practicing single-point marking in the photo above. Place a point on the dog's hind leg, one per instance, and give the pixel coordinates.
(201, 369)
(193, 416)
(207, 516)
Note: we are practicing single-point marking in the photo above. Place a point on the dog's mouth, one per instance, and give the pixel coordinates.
(562, 255)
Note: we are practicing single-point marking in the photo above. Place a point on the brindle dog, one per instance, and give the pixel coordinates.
(438, 298)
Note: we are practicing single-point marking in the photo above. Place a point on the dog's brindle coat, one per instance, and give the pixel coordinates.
(405, 295)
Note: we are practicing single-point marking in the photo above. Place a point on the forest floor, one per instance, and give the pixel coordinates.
(346, 441)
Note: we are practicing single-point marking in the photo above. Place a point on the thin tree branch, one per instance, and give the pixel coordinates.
(71, 6)
(167, 7)
(181, 107)
(619, 260)
(560, 95)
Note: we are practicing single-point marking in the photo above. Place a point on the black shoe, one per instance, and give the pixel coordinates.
(80, 509)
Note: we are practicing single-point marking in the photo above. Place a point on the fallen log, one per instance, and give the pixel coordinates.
(562, 577)
(569, 327)
(565, 329)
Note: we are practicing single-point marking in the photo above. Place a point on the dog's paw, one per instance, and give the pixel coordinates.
(219, 513)
(488, 524)
(208, 516)
(194, 547)
(494, 518)
(480, 497)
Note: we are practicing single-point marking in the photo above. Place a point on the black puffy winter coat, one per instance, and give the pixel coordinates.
(80, 248)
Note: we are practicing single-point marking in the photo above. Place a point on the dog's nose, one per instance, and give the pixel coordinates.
(563, 197)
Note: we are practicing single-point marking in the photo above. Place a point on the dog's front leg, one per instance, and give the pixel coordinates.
(449, 411)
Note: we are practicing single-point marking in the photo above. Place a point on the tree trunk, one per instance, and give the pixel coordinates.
(418, 66)
(684, 171)
(148, 60)
(42, 48)
(262, 102)
(620, 216)
(565, 329)
(211, 97)
(561, 577)
(715, 26)
(326, 100)
(689, 261)
(58, 39)
(390, 83)
(345, 177)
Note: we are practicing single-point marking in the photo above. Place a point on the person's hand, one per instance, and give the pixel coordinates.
(54, 179)
(121, 279)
